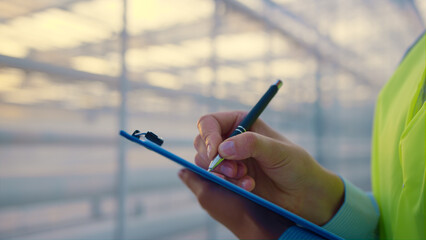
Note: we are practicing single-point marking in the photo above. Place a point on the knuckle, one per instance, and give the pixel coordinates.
(203, 119)
(250, 144)
(250, 140)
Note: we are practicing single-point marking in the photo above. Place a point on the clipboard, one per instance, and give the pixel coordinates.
(301, 222)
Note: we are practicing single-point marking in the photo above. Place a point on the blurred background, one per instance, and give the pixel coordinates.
(74, 72)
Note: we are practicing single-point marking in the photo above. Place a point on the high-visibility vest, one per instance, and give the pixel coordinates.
(399, 149)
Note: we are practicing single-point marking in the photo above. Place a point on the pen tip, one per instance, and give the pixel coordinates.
(279, 83)
(209, 170)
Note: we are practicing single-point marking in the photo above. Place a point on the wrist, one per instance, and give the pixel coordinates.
(335, 190)
(327, 196)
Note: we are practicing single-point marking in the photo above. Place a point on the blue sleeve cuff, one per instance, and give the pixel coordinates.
(296, 233)
(358, 216)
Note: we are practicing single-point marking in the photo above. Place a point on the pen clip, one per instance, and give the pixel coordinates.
(150, 136)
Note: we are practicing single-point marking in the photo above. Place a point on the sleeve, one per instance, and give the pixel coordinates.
(296, 233)
(359, 211)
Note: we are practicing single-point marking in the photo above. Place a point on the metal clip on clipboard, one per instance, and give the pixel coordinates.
(149, 136)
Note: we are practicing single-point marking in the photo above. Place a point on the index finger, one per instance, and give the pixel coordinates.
(215, 127)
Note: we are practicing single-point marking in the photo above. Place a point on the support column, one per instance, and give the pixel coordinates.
(122, 151)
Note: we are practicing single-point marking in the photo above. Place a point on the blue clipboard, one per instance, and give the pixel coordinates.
(203, 173)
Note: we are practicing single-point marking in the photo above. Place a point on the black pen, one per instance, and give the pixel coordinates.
(250, 118)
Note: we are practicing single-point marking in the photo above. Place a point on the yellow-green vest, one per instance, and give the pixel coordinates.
(398, 153)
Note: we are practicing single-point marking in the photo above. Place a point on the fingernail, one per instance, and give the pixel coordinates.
(226, 170)
(228, 148)
(246, 184)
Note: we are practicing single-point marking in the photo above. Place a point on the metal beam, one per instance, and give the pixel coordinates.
(279, 20)
(54, 4)
(76, 75)
(308, 38)
(31, 65)
(170, 35)
(121, 171)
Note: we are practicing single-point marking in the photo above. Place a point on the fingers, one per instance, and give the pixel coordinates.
(246, 182)
(210, 195)
(210, 134)
(230, 169)
(246, 219)
(222, 204)
(213, 127)
(199, 185)
(201, 159)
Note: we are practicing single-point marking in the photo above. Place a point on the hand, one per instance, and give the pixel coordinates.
(269, 165)
(246, 219)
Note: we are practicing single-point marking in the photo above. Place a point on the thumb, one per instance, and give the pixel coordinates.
(267, 151)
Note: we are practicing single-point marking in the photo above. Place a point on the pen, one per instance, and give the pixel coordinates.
(250, 118)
